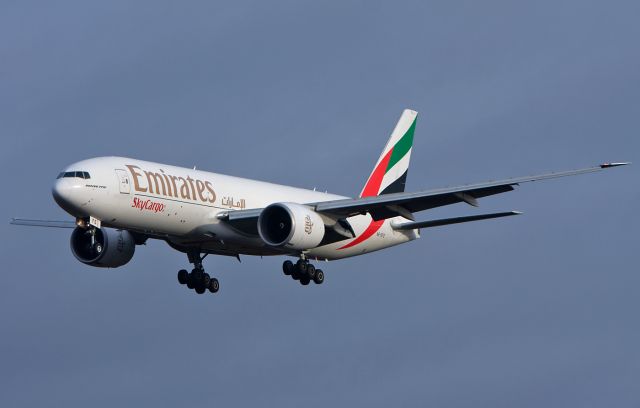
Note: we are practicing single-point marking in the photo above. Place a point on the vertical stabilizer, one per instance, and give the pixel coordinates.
(390, 172)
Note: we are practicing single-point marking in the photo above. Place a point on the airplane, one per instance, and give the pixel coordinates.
(119, 203)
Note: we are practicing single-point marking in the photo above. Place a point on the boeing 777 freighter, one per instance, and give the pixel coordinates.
(118, 203)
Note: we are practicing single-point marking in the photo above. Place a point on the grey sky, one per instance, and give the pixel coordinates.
(536, 310)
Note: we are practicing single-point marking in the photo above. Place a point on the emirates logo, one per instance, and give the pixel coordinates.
(308, 225)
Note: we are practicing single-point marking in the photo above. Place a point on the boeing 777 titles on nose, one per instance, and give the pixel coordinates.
(119, 203)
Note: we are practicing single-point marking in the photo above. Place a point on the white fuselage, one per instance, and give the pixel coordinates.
(181, 205)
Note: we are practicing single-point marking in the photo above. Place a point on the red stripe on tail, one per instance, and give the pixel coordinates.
(375, 180)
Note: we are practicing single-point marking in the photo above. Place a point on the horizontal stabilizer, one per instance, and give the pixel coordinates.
(449, 221)
(43, 223)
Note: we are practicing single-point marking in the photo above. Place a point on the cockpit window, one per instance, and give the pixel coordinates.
(77, 174)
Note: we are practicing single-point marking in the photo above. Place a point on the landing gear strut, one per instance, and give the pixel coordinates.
(303, 271)
(198, 279)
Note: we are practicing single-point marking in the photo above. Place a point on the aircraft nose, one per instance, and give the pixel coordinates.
(66, 193)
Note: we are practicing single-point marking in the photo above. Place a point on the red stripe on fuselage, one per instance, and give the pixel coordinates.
(371, 229)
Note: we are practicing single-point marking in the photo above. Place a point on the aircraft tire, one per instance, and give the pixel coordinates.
(301, 267)
(183, 276)
(214, 285)
(319, 278)
(200, 289)
(287, 267)
(305, 280)
(311, 271)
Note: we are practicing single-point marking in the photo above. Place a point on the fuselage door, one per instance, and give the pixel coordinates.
(123, 180)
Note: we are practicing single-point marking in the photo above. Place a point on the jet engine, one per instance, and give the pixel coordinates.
(290, 225)
(105, 247)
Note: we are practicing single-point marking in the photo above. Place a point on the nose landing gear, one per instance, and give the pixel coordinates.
(198, 279)
(303, 271)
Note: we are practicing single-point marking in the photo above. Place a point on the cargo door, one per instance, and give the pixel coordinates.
(123, 180)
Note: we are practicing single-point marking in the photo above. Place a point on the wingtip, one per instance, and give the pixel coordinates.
(609, 165)
(514, 212)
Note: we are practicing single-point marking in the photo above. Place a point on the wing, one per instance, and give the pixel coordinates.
(405, 204)
(42, 223)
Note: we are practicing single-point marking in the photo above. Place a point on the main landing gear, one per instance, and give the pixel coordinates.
(303, 271)
(198, 279)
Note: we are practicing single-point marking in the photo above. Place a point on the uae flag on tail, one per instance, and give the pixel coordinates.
(390, 172)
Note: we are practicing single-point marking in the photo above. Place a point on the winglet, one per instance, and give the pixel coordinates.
(609, 165)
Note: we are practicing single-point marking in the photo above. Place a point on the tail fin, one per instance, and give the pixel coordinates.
(390, 172)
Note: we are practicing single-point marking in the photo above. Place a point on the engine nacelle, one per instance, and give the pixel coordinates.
(290, 225)
(111, 248)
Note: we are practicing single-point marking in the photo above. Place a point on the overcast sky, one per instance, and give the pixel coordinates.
(529, 311)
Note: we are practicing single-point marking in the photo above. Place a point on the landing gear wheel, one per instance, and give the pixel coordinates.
(319, 278)
(214, 285)
(287, 267)
(183, 276)
(198, 279)
(191, 281)
(311, 271)
(301, 267)
(305, 280)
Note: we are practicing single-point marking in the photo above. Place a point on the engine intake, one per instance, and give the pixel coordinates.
(111, 247)
(290, 225)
